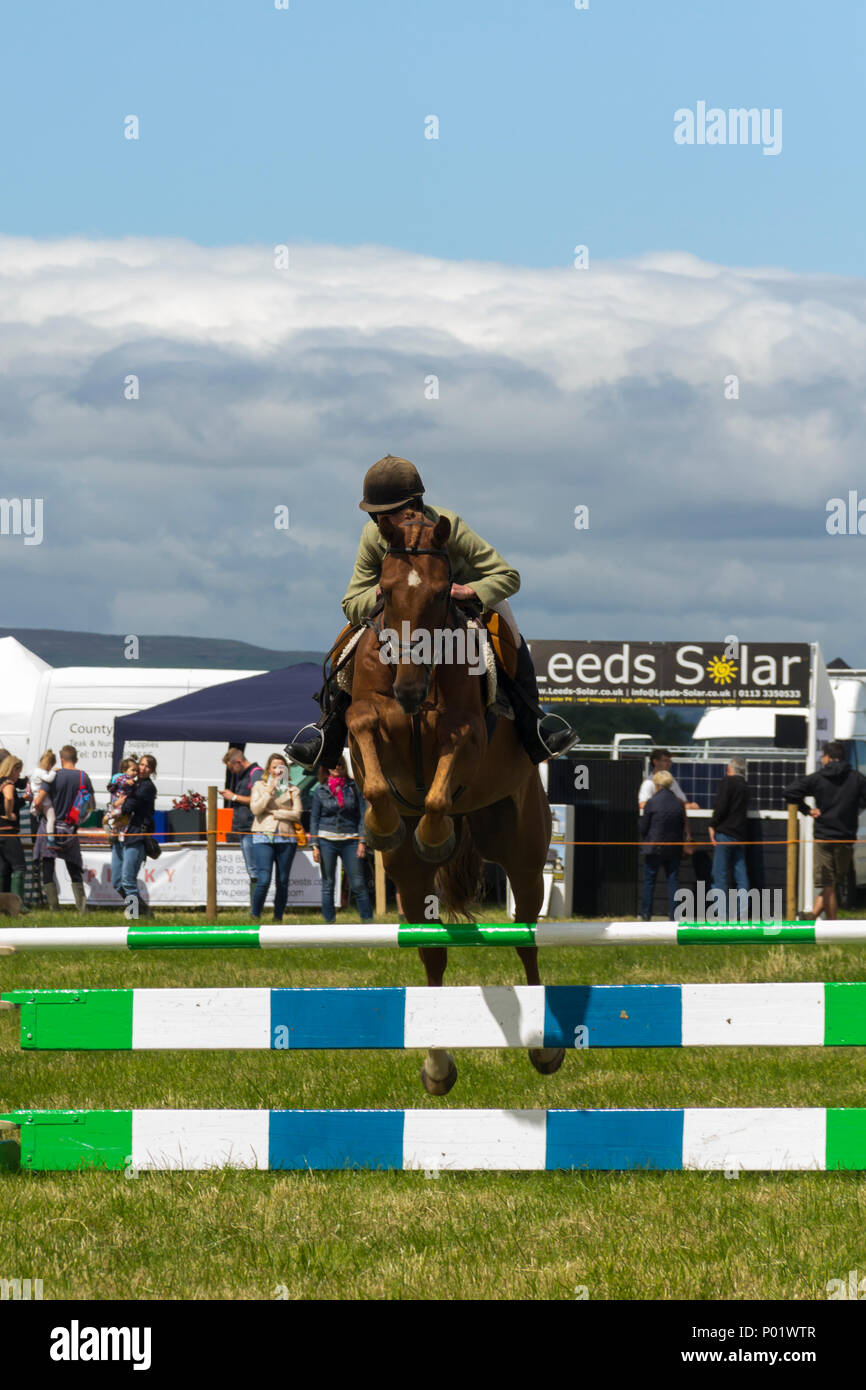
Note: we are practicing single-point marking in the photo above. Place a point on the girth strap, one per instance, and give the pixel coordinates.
(418, 759)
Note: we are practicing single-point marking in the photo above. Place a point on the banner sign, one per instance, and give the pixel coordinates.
(178, 878)
(672, 673)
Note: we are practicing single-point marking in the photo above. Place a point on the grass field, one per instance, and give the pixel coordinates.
(250, 1235)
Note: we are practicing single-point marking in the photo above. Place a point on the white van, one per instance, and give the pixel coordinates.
(78, 705)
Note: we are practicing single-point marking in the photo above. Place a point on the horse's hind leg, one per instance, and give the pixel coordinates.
(414, 880)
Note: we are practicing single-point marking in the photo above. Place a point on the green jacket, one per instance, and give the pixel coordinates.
(473, 562)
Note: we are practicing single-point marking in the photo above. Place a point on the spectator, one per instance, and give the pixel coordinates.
(12, 864)
(138, 804)
(335, 819)
(661, 760)
(70, 793)
(663, 829)
(245, 775)
(729, 825)
(115, 820)
(43, 776)
(276, 809)
(840, 796)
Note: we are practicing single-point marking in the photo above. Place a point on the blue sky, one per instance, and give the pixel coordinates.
(556, 126)
(262, 388)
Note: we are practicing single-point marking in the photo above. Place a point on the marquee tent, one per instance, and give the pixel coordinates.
(20, 672)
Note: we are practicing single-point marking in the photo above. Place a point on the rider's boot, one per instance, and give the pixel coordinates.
(542, 735)
(323, 742)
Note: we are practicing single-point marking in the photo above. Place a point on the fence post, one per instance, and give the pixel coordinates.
(380, 883)
(791, 864)
(211, 854)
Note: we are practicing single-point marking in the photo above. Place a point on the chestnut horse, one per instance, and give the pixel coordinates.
(442, 795)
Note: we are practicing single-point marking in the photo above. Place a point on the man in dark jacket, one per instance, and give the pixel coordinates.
(840, 796)
(663, 830)
(728, 826)
(244, 774)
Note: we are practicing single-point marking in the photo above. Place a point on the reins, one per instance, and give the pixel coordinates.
(451, 610)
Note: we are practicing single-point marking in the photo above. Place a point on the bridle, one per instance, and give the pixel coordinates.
(450, 607)
(451, 610)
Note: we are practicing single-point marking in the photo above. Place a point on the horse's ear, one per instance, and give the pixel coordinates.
(441, 532)
(388, 529)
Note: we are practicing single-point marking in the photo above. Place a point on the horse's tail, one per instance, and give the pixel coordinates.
(460, 882)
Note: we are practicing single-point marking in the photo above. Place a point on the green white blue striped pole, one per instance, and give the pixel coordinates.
(762, 1139)
(150, 937)
(573, 1016)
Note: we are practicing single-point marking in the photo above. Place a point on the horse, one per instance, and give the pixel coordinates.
(442, 795)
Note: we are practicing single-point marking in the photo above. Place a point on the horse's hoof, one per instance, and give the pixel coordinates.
(383, 842)
(435, 854)
(549, 1065)
(439, 1088)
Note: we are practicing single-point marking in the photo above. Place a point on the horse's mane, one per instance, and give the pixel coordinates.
(412, 527)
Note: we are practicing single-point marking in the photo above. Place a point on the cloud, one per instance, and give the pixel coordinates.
(261, 388)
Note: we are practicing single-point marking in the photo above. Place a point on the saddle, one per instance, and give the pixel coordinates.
(338, 663)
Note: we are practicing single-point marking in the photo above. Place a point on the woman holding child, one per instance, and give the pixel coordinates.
(133, 807)
(276, 807)
(115, 822)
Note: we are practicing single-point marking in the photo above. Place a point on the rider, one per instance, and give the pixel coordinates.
(479, 573)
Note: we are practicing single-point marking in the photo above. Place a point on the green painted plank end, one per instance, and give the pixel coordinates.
(846, 1140)
(845, 1015)
(69, 1140)
(67, 1019)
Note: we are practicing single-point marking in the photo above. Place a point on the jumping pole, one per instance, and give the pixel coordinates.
(154, 937)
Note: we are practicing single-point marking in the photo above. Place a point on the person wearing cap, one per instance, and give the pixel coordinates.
(479, 574)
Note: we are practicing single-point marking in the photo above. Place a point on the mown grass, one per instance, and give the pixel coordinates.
(400, 1235)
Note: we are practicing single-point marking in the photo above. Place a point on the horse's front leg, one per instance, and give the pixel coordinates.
(382, 821)
(462, 745)
(415, 886)
(527, 901)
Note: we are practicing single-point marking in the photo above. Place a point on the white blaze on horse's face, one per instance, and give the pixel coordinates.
(414, 579)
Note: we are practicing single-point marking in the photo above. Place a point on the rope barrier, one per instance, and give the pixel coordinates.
(202, 835)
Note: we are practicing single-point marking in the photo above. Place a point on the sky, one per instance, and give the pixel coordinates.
(696, 379)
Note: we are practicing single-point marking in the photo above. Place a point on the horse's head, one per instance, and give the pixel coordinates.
(416, 584)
